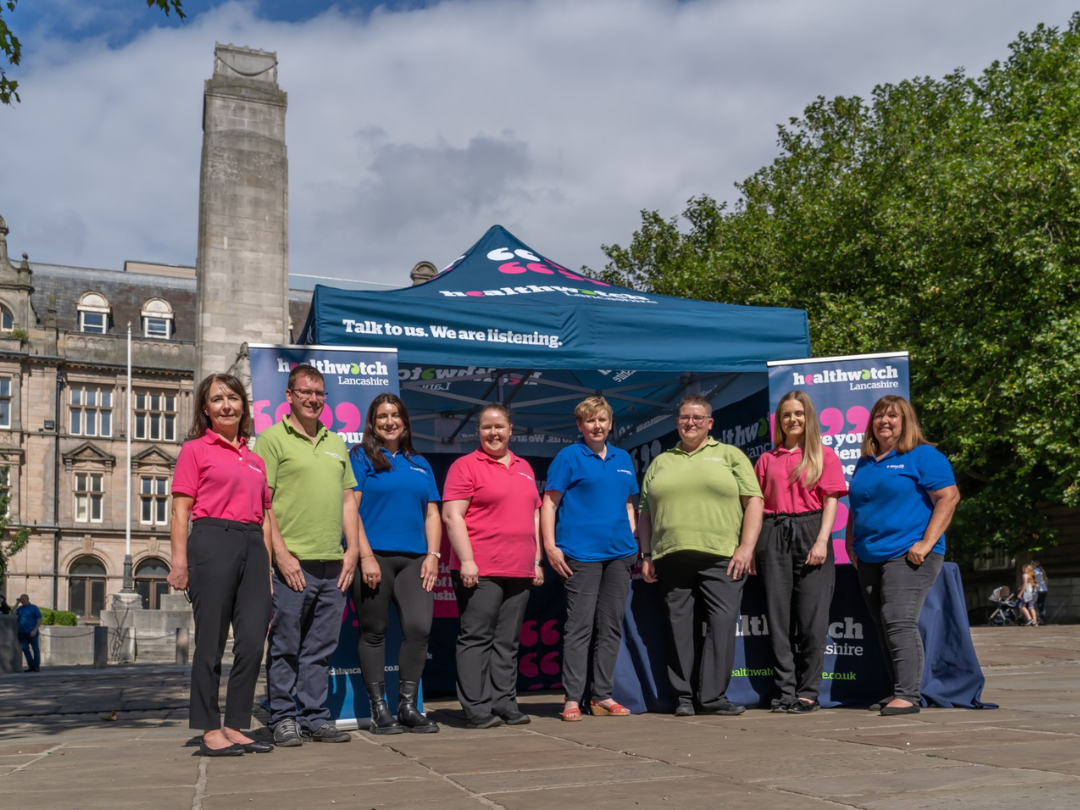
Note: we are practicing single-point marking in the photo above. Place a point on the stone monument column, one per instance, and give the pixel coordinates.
(242, 269)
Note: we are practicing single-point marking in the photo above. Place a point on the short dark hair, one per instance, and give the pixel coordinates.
(304, 370)
(697, 399)
(200, 420)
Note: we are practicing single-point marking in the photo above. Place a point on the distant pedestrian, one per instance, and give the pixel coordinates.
(219, 487)
(29, 630)
(311, 483)
(5, 608)
(1028, 595)
(1042, 586)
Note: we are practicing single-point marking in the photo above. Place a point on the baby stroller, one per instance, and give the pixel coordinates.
(1005, 608)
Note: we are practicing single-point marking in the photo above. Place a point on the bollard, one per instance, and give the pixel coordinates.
(101, 647)
(182, 646)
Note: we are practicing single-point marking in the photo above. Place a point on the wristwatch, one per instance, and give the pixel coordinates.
(435, 554)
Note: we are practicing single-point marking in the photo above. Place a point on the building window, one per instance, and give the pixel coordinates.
(5, 478)
(91, 412)
(157, 317)
(89, 497)
(94, 313)
(154, 495)
(150, 582)
(7, 320)
(994, 559)
(5, 402)
(155, 417)
(86, 588)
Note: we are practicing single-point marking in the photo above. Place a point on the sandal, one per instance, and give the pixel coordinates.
(571, 715)
(614, 710)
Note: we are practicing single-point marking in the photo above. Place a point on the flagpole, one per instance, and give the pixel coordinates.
(129, 580)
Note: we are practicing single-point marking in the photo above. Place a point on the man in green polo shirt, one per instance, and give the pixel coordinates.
(311, 481)
(701, 511)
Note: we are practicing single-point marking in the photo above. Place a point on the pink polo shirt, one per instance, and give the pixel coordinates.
(226, 482)
(774, 469)
(501, 514)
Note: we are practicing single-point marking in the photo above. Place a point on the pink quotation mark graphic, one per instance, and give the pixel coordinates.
(535, 663)
(511, 265)
(346, 412)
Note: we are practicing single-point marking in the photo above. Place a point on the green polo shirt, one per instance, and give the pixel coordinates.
(693, 498)
(307, 479)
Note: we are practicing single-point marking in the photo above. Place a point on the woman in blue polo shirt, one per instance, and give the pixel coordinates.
(398, 501)
(587, 521)
(902, 499)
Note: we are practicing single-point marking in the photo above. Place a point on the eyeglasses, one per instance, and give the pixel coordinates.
(305, 393)
(697, 420)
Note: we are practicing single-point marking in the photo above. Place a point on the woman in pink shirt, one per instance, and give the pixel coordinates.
(491, 508)
(224, 563)
(802, 482)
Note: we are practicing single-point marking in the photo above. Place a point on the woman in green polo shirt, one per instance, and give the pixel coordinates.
(701, 511)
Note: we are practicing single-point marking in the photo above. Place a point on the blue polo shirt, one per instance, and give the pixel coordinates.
(592, 524)
(28, 617)
(395, 501)
(890, 504)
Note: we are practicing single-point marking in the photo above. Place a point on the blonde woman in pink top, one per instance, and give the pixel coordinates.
(802, 482)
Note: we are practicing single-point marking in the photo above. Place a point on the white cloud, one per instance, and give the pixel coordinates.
(410, 133)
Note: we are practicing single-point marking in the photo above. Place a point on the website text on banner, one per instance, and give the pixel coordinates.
(353, 378)
(843, 389)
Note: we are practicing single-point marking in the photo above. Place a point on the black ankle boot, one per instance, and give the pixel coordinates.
(407, 712)
(382, 722)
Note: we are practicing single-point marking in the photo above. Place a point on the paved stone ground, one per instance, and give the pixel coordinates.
(59, 748)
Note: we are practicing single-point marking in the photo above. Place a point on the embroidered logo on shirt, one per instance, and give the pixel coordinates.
(335, 455)
(253, 467)
(628, 472)
(894, 466)
(418, 469)
(525, 475)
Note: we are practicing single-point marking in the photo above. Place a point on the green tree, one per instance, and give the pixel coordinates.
(11, 48)
(942, 216)
(9, 545)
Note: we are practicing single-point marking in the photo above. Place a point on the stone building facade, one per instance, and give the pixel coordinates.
(63, 390)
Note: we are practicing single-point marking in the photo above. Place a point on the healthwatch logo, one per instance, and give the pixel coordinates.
(856, 379)
(339, 369)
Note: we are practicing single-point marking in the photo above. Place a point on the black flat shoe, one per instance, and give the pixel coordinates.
(516, 718)
(256, 747)
(487, 721)
(879, 705)
(230, 751)
(892, 711)
(802, 707)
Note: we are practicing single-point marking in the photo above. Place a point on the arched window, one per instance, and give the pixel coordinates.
(150, 582)
(7, 320)
(94, 313)
(157, 318)
(86, 587)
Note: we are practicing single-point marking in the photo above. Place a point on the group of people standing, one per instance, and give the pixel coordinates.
(280, 535)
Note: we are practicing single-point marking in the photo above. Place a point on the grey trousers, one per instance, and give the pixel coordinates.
(487, 644)
(595, 603)
(230, 584)
(696, 588)
(797, 599)
(895, 591)
(303, 634)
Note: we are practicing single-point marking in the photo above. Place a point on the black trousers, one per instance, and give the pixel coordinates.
(595, 603)
(797, 599)
(229, 578)
(401, 584)
(487, 644)
(895, 592)
(696, 588)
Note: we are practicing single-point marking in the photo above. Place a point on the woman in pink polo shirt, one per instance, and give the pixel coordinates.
(802, 482)
(491, 508)
(224, 563)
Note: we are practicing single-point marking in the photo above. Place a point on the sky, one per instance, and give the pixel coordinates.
(414, 126)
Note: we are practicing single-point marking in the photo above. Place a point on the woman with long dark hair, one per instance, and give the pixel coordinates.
(398, 502)
(224, 562)
(802, 482)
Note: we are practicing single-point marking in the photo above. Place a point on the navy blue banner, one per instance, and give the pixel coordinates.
(843, 390)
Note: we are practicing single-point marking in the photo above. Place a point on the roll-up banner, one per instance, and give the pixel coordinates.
(354, 377)
(843, 390)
